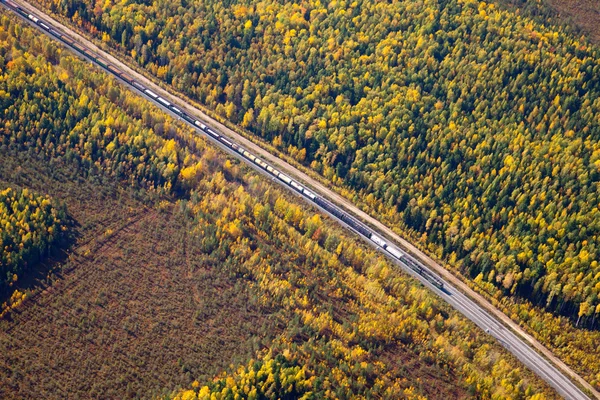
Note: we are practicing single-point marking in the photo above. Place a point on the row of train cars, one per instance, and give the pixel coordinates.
(324, 204)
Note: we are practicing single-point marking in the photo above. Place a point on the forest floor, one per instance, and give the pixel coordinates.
(133, 308)
(585, 14)
(129, 311)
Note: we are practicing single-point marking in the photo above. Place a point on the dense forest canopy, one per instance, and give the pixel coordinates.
(93, 123)
(472, 127)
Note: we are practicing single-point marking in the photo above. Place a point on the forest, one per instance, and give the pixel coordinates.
(268, 379)
(470, 128)
(30, 226)
(44, 115)
(180, 242)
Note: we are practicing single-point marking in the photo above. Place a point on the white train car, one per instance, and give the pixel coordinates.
(310, 194)
(263, 164)
(395, 252)
(296, 186)
(379, 241)
(164, 102)
(222, 138)
(151, 93)
(249, 156)
(285, 178)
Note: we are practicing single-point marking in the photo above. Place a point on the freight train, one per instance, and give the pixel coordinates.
(354, 224)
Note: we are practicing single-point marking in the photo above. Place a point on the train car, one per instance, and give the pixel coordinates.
(22, 12)
(213, 134)
(200, 125)
(138, 86)
(396, 253)
(323, 203)
(163, 101)
(151, 93)
(437, 282)
(224, 140)
(127, 78)
(68, 40)
(249, 156)
(33, 18)
(413, 265)
(310, 194)
(331, 209)
(86, 51)
(210, 131)
(56, 33)
(176, 110)
(335, 211)
(379, 241)
(238, 148)
(270, 169)
(285, 178)
(79, 47)
(187, 118)
(319, 201)
(347, 219)
(43, 25)
(296, 186)
(102, 62)
(362, 230)
(114, 70)
(260, 163)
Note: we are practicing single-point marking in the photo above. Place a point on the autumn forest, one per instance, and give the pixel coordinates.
(475, 131)
(468, 128)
